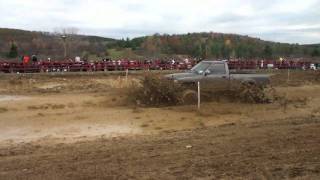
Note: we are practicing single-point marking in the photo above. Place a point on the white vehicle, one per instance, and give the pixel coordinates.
(313, 67)
(77, 59)
(270, 66)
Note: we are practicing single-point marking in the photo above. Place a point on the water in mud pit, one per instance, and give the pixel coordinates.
(11, 98)
(68, 133)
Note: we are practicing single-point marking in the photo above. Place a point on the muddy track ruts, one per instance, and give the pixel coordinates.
(286, 148)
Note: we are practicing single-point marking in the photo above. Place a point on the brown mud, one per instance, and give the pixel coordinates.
(82, 128)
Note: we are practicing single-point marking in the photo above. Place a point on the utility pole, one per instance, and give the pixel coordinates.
(199, 101)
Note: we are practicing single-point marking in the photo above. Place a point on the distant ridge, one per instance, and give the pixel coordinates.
(49, 44)
(200, 45)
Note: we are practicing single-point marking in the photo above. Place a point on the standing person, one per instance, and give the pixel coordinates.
(173, 61)
(34, 58)
(77, 59)
(26, 59)
(22, 57)
(261, 64)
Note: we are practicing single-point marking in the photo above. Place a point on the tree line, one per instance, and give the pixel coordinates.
(215, 45)
(15, 43)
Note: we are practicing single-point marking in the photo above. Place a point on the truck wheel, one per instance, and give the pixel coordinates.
(189, 97)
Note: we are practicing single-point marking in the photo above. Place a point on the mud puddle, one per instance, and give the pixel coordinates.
(66, 134)
(12, 98)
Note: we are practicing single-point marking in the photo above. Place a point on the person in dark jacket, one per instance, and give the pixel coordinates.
(34, 58)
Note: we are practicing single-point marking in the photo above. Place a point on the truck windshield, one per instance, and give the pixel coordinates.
(201, 67)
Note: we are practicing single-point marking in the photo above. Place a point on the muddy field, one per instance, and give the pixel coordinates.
(80, 126)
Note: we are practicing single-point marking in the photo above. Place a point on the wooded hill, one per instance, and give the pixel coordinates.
(51, 45)
(14, 43)
(216, 45)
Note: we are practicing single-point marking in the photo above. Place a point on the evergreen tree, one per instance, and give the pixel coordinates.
(267, 52)
(13, 53)
(215, 50)
(226, 52)
(315, 53)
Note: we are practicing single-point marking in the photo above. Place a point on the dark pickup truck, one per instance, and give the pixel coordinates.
(215, 76)
(217, 72)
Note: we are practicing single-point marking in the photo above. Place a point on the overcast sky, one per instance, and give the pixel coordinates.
(293, 21)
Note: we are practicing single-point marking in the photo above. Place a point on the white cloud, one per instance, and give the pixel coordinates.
(268, 19)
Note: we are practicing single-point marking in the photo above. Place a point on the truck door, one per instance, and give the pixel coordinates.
(216, 77)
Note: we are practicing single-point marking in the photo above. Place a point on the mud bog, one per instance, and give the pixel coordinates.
(81, 127)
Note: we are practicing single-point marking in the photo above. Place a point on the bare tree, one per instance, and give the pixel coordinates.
(66, 31)
(66, 35)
